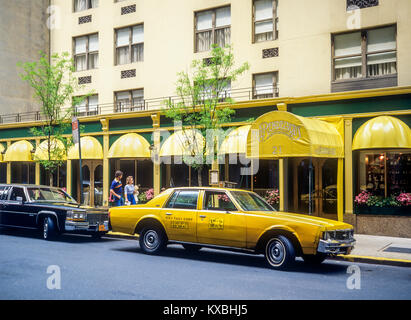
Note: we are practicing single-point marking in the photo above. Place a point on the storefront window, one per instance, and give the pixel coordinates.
(385, 173)
(3, 172)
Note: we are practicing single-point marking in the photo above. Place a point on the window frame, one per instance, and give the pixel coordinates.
(204, 204)
(88, 5)
(275, 92)
(87, 106)
(364, 54)
(274, 20)
(130, 105)
(87, 53)
(129, 46)
(177, 193)
(213, 28)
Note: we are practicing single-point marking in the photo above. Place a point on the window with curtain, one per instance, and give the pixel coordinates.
(130, 100)
(265, 85)
(87, 107)
(220, 90)
(80, 5)
(86, 52)
(130, 44)
(365, 54)
(212, 27)
(265, 20)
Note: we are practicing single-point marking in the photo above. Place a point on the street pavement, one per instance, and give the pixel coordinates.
(116, 269)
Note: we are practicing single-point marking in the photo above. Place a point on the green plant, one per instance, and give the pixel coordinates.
(203, 102)
(53, 84)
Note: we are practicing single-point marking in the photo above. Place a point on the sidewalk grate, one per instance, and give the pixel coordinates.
(398, 249)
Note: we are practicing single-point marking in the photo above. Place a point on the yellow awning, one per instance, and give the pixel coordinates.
(90, 149)
(283, 134)
(1, 152)
(235, 141)
(19, 151)
(56, 145)
(382, 132)
(130, 145)
(183, 143)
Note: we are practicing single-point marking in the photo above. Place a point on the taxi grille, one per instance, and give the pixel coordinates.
(343, 234)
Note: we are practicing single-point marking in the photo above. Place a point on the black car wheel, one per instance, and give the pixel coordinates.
(192, 248)
(152, 240)
(49, 228)
(280, 252)
(314, 259)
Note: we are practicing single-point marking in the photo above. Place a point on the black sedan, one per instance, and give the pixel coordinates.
(50, 210)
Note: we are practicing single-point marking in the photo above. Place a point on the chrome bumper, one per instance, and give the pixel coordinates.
(336, 246)
(86, 226)
(76, 225)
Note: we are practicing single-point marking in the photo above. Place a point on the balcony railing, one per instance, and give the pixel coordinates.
(139, 105)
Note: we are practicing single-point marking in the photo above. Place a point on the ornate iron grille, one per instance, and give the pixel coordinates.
(84, 19)
(361, 4)
(269, 53)
(128, 9)
(128, 73)
(84, 80)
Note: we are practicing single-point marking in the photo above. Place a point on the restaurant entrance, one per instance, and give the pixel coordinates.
(322, 200)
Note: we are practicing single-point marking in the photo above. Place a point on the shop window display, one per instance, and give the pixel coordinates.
(384, 181)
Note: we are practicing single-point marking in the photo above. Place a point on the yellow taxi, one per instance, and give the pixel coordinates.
(231, 219)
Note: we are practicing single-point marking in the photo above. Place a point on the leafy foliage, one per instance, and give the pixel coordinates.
(203, 99)
(53, 84)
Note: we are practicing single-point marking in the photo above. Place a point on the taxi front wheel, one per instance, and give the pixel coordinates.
(280, 252)
(152, 240)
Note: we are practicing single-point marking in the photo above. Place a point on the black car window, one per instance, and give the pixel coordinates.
(185, 199)
(219, 201)
(17, 192)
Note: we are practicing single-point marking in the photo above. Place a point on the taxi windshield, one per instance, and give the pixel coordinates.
(49, 195)
(250, 201)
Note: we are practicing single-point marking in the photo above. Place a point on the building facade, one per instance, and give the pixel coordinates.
(344, 65)
(23, 34)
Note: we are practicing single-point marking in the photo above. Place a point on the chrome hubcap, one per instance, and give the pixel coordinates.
(151, 240)
(276, 252)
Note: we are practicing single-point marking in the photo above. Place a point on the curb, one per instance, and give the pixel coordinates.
(374, 260)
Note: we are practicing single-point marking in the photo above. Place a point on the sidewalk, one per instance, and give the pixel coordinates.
(368, 249)
(380, 250)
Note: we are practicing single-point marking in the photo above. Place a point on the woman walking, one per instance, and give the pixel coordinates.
(116, 189)
(129, 191)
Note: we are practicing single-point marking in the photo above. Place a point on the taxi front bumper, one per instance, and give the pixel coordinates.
(336, 246)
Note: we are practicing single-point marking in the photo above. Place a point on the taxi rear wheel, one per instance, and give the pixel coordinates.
(280, 252)
(152, 240)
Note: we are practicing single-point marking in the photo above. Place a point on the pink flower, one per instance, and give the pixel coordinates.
(404, 199)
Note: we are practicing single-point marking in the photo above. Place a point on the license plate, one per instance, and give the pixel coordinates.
(102, 227)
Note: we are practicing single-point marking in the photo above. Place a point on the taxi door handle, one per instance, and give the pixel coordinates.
(168, 214)
(202, 216)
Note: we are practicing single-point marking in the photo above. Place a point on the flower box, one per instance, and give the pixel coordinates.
(393, 211)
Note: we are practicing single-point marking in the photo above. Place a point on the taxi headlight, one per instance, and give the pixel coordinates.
(329, 235)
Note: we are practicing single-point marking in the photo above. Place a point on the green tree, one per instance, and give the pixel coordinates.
(54, 84)
(204, 101)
